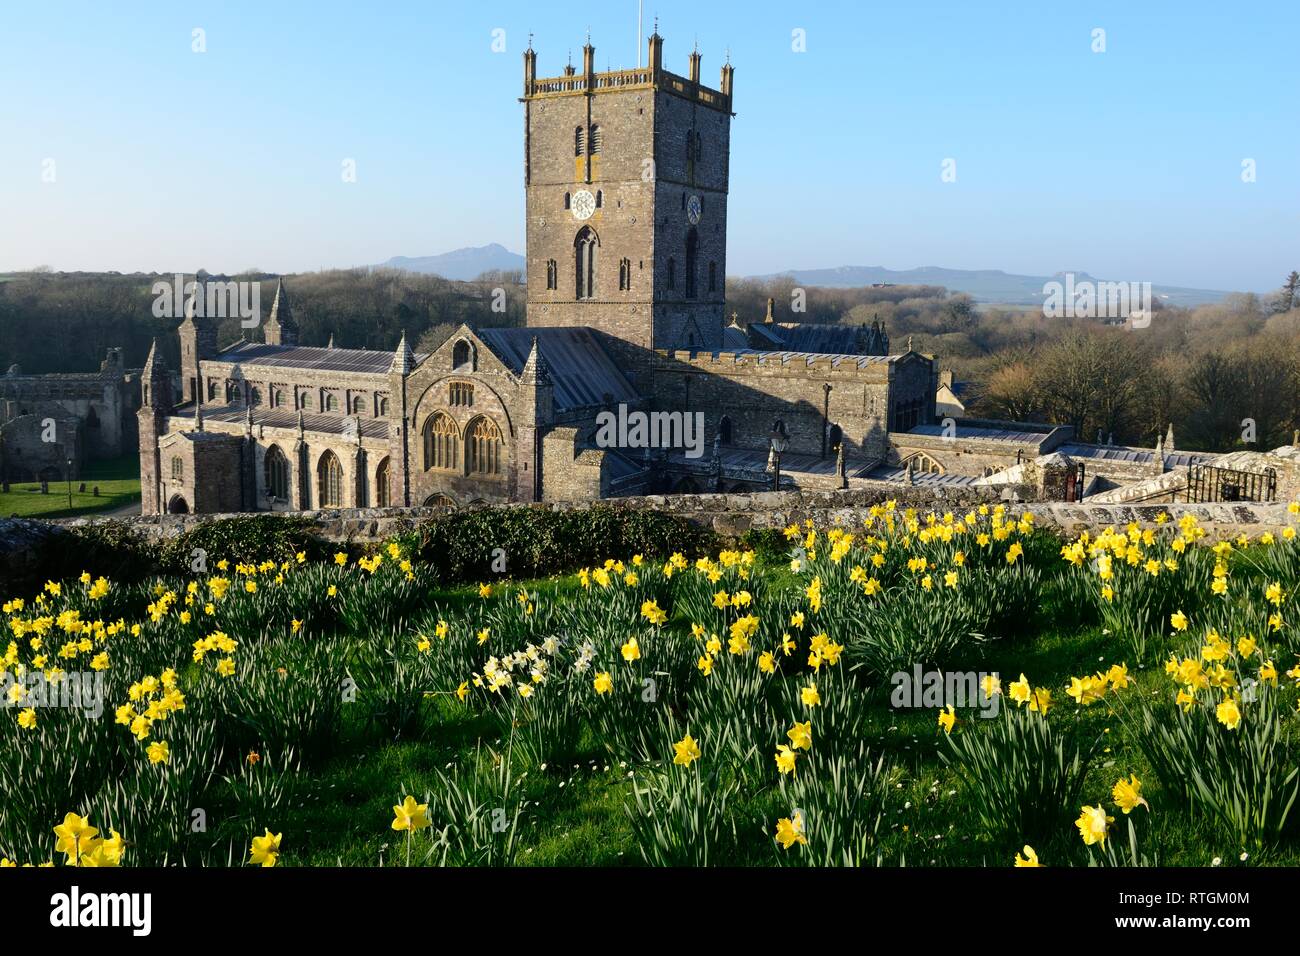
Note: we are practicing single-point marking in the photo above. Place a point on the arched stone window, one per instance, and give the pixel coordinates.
(213, 390)
(255, 396)
(276, 468)
(331, 402)
(921, 462)
(600, 199)
(439, 501)
(329, 474)
(304, 401)
(624, 275)
(483, 447)
(441, 443)
(382, 497)
(552, 274)
(585, 245)
(462, 354)
(579, 141)
(597, 140)
(178, 468)
(383, 405)
(358, 404)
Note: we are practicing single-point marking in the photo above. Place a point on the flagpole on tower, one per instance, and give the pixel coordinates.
(638, 33)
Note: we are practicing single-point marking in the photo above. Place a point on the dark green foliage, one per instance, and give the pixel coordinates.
(252, 538)
(538, 542)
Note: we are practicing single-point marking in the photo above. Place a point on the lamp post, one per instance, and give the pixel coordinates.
(779, 440)
(69, 473)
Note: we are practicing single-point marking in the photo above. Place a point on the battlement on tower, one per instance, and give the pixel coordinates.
(866, 368)
(651, 77)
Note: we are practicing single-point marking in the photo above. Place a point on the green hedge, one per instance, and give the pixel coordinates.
(111, 549)
(538, 542)
(459, 545)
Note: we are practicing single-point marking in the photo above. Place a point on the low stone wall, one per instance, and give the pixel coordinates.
(734, 514)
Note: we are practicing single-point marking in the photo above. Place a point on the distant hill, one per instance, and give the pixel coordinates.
(984, 285)
(462, 264)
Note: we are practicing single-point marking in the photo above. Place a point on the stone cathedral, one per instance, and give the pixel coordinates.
(626, 181)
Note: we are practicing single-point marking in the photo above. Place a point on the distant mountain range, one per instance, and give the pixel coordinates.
(983, 285)
(461, 264)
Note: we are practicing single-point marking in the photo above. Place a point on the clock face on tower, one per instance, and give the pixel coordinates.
(584, 204)
(694, 208)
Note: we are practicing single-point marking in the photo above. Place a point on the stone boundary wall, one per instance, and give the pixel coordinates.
(734, 514)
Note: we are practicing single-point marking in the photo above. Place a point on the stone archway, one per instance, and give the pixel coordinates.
(178, 505)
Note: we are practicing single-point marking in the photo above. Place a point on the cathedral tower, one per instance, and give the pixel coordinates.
(625, 175)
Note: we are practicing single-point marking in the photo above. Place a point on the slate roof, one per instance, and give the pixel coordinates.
(1133, 455)
(923, 478)
(984, 433)
(812, 337)
(365, 361)
(287, 418)
(582, 372)
(734, 339)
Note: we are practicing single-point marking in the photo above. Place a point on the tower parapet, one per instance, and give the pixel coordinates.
(650, 77)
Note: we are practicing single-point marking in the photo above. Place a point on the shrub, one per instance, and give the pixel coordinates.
(537, 541)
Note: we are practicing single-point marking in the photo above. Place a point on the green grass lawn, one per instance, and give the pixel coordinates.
(118, 480)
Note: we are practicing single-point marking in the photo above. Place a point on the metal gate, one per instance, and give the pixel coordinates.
(1074, 483)
(1208, 483)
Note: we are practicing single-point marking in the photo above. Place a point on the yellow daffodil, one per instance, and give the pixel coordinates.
(785, 759)
(1030, 858)
(948, 718)
(1228, 713)
(409, 815)
(1094, 825)
(801, 735)
(1127, 794)
(265, 850)
(789, 831)
(685, 751)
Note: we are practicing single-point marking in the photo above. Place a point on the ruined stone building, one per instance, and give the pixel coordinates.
(48, 420)
(626, 176)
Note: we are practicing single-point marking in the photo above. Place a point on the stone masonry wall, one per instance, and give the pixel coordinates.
(735, 514)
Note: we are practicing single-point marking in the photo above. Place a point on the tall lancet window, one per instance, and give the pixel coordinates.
(692, 251)
(584, 260)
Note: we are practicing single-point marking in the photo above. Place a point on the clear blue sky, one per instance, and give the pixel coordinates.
(1126, 164)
